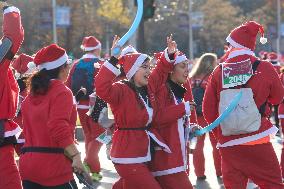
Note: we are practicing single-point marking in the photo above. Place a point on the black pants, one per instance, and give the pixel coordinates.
(31, 185)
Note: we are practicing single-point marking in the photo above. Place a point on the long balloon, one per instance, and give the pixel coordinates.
(221, 118)
(132, 29)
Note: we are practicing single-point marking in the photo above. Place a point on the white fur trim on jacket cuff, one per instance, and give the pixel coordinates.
(167, 56)
(187, 108)
(11, 9)
(112, 68)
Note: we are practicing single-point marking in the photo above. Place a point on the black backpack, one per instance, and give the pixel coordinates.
(198, 94)
(83, 76)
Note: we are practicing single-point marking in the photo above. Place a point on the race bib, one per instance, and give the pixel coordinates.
(234, 74)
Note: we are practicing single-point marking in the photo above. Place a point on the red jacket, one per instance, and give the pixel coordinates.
(171, 128)
(270, 90)
(133, 146)
(83, 104)
(48, 121)
(12, 29)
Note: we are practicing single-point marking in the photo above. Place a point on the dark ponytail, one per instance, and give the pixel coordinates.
(39, 82)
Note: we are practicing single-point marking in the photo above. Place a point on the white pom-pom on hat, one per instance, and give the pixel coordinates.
(31, 65)
(263, 40)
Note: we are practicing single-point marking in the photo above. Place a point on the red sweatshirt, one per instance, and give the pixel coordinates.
(48, 121)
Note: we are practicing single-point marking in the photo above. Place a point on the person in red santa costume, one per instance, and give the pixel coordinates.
(274, 59)
(88, 65)
(49, 118)
(170, 168)
(135, 111)
(281, 118)
(199, 77)
(244, 136)
(20, 65)
(13, 34)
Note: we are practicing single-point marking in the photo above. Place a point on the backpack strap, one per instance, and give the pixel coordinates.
(263, 106)
(255, 65)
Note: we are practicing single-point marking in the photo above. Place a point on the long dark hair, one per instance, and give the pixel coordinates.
(39, 82)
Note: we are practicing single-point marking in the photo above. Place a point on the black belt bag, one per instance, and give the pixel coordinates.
(48, 150)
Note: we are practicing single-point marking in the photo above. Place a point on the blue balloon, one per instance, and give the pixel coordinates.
(132, 29)
(221, 118)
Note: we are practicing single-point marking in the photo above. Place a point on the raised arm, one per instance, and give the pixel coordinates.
(105, 87)
(164, 66)
(12, 30)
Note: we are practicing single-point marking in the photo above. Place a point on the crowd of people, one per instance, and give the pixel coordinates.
(145, 109)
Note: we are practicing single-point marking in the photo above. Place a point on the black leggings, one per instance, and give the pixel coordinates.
(31, 185)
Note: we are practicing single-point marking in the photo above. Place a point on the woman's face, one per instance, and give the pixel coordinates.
(142, 75)
(180, 73)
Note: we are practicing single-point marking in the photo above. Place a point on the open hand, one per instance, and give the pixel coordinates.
(172, 45)
(114, 46)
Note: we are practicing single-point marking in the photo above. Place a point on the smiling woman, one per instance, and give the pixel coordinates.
(135, 112)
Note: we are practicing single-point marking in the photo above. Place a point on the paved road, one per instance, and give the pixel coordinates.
(110, 176)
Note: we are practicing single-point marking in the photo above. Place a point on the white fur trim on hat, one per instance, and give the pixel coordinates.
(99, 46)
(12, 9)
(54, 64)
(263, 40)
(234, 43)
(240, 52)
(128, 50)
(136, 66)
(90, 56)
(180, 59)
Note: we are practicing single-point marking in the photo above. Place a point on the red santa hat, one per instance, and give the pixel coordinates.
(128, 50)
(131, 63)
(90, 43)
(273, 57)
(50, 57)
(20, 64)
(263, 54)
(180, 57)
(245, 35)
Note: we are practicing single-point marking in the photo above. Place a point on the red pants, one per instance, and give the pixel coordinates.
(173, 181)
(199, 160)
(281, 119)
(9, 174)
(91, 131)
(136, 176)
(256, 162)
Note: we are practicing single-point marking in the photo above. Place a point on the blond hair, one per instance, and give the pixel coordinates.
(204, 65)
